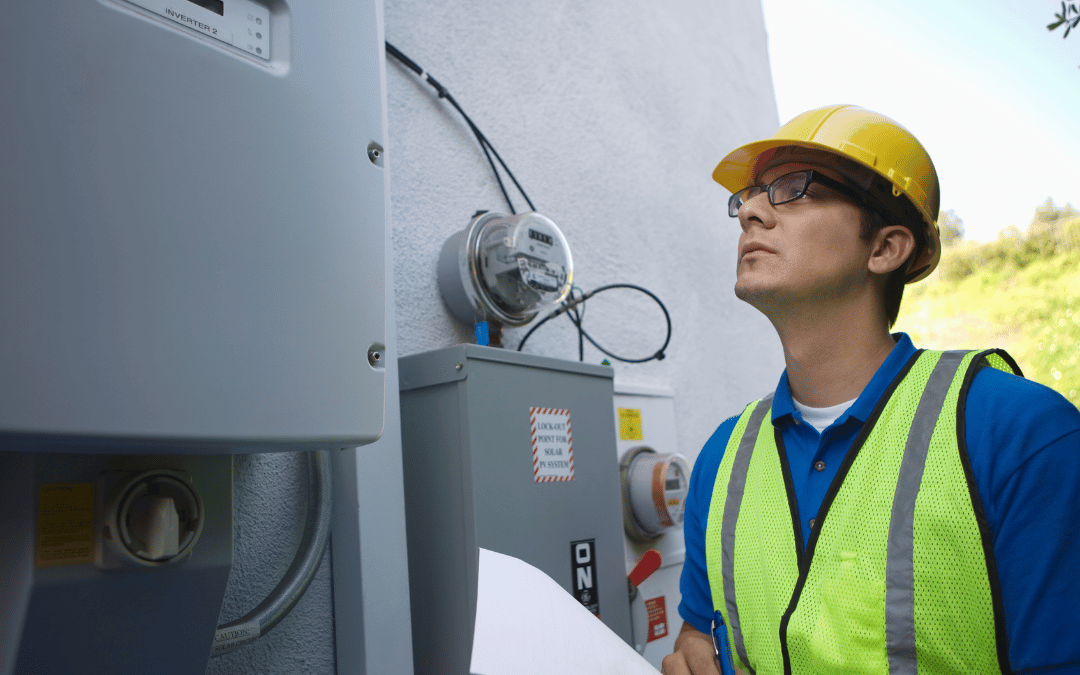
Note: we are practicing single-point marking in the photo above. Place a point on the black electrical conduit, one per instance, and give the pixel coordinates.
(485, 144)
(292, 586)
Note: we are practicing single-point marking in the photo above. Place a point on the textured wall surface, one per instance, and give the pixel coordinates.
(612, 114)
(270, 506)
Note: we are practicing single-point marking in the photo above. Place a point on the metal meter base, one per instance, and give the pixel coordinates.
(645, 417)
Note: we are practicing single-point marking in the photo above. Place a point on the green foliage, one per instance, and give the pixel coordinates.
(1066, 19)
(1021, 293)
(1052, 230)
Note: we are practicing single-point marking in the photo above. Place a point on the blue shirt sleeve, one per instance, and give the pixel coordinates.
(1023, 440)
(696, 606)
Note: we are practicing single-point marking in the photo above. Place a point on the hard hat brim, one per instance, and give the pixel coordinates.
(737, 169)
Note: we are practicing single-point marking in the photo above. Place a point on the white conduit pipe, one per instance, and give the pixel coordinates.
(292, 586)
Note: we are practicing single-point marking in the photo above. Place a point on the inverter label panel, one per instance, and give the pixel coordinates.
(241, 23)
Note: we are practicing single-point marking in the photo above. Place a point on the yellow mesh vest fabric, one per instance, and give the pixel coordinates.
(766, 566)
(954, 614)
(838, 625)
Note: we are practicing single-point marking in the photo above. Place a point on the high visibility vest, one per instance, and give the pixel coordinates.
(898, 576)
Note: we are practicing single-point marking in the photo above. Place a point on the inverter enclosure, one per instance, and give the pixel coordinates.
(470, 483)
(193, 234)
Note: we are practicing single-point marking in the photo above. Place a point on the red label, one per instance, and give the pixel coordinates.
(656, 609)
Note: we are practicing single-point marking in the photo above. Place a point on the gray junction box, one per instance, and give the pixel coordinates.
(477, 422)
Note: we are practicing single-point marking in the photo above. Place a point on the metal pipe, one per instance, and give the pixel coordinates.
(292, 586)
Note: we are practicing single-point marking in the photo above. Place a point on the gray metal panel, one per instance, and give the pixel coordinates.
(372, 619)
(192, 245)
(17, 502)
(469, 483)
(441, 365)
(430, 368)
(537, 521)
(443, 555)
(82, 619)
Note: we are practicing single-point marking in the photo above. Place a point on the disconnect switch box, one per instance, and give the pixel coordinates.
(514, 453)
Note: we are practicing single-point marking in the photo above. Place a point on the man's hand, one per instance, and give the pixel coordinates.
(693, 655)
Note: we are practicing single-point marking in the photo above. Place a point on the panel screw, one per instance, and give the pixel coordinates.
(375, 355)
(458, 366)
(375, 153)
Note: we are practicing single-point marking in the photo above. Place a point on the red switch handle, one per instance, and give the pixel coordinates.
(649, 563)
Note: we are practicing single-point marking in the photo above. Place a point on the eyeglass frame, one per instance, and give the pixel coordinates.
(813, 176)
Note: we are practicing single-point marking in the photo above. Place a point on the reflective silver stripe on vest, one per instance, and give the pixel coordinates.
(736, 485)
(900, 568)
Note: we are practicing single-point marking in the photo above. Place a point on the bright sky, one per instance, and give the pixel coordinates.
(992, 95)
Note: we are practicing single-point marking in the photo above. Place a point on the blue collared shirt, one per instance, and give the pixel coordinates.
(1024, 443)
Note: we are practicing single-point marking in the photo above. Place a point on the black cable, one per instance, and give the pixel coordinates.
(577, 315)
(444, 93)
(485, 144)
(569, 307)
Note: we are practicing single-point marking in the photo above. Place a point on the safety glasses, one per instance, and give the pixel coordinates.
(788, 188)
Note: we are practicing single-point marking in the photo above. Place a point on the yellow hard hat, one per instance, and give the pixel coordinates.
(870, 140)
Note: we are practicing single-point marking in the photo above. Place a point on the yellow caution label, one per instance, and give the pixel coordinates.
(629, 424)
(65, 532)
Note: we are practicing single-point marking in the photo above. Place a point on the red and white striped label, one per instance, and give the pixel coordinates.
(552, 444)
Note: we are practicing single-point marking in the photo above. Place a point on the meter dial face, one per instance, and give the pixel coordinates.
(675, 486)
(524, 263)
(505, 268)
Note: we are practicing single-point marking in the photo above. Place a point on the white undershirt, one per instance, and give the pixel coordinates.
(821, 418)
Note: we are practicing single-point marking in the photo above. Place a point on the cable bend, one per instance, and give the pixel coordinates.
(292, 586)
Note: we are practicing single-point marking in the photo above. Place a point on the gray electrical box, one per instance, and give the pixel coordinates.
(514, 453)
(192, 242)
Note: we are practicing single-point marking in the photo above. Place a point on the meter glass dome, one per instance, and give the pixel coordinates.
(505, 268)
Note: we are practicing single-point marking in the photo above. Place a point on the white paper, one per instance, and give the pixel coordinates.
(526, 624)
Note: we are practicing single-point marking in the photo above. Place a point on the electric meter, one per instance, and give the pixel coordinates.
(654, 490)
(505, 268)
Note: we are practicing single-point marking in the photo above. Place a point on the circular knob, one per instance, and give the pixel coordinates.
(156, 517)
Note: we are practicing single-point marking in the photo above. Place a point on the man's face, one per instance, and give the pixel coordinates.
(807, 250)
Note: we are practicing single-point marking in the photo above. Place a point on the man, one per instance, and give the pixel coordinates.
(886, 509)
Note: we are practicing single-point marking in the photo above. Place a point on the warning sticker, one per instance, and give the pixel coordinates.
(552, 445)
(656, 610)
(65, 533)
(629, 424)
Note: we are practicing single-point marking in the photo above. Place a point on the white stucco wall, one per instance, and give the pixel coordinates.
(612, 116)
